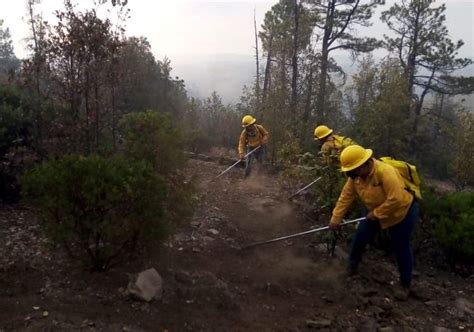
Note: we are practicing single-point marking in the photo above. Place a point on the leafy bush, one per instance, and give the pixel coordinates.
(307, 167)
(98, 208)
(152, 136)
(197, 141)
(453, 219)
(330, 186)
(15, 130)
(297, 169)
(461, 165)
(288, 155)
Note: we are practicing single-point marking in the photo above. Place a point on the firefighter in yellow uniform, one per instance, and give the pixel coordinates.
(253, 135)
(389, 206)
(332, 144)
(331, 148)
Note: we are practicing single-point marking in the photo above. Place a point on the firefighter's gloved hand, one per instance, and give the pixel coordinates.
(334, 227)
(371, 217)
(241, 156)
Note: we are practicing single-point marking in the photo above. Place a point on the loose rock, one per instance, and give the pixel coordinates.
(147, 286)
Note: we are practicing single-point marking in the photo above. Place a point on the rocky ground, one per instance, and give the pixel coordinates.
(211, 284)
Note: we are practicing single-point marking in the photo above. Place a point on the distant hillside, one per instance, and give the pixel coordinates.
(228, 73)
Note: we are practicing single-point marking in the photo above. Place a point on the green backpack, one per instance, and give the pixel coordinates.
(409, 174)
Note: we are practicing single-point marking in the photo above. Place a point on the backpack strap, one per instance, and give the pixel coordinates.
(343, 141)
(338, 142)
(409, 172)
(379, 172)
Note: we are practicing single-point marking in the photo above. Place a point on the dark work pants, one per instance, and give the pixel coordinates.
(400, 235)
(256, 156)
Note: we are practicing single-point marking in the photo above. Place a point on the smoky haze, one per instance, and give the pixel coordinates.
(211, 43)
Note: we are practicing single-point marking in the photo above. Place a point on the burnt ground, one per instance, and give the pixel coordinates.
(211, 284)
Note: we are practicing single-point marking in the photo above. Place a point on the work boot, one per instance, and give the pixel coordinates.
(351, 271)
(401, 292)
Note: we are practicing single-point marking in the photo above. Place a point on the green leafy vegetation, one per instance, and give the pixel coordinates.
(99, 209)
(453, 221)
(15, 138)
(151, 136)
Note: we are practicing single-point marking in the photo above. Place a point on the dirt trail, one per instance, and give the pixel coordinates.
(212, 285)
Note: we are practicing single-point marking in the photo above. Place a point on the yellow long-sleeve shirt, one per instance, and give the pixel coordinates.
(261, 137)
(382, 192)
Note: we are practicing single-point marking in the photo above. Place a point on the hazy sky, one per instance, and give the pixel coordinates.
(202, 27)
(211, 43)
(173, 27)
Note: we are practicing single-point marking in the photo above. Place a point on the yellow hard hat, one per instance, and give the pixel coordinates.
(248, 120)
(321, 131)
(354, 156)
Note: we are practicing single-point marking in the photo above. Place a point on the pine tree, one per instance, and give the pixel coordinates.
(335, 20)
(425, 51)
(8, 61)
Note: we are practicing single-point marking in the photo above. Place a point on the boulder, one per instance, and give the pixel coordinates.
(464, 307)
(213, 231)
(318, 323)
(441, 329)
(146, 285)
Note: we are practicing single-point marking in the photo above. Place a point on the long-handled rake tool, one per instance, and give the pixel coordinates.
(234, 164)
(300, 234)
(305, 187)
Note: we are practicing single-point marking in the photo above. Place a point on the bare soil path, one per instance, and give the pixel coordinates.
(210, 284)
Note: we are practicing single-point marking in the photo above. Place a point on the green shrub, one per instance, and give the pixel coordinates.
(429, 203)
(197, 141)
(15, 128)
(288, 154)
(304, 168)
(98, 208)
(460, 166)
(453, 219)
(329, 187)
(152, 136)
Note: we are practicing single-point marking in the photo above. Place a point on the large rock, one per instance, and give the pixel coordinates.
(318, 323)
(441, 329)
(464, 306)
(213, 231)
(386, 329)
(146, 285)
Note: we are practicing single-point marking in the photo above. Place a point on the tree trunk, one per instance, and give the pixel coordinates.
(307, 108)
(257, 80)
(114, 116)
(88, 112)
(294, 60)
(321, 103)
(305, 124)
(266, 80)
(411, 62)
(419, 104)
(38, 123)
(97, 114)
